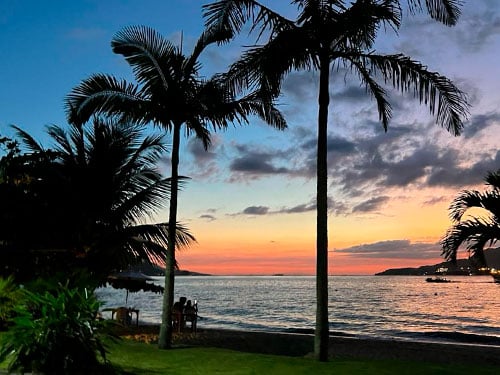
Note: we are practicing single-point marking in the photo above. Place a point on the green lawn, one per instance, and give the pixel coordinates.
(131, 357)
(139, 358)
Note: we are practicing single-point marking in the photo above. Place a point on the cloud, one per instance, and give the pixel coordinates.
(256, 162)
(256, 210)
(371, 205)
(486, 25)
(205, 165)
(297, 209)
(396, 249)
(480, 122)
(306, 207)
(208, 217)
(196, 149)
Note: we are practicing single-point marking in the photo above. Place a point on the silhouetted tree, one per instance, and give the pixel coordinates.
(169, 93)
(327, 33)
(84, 204)
(477, 231)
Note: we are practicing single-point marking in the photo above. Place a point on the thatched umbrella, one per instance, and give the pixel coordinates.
(133, 281)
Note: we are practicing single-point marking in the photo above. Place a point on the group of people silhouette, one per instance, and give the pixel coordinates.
(185, 311)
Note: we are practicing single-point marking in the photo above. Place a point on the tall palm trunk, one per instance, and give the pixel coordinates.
(322, 329)
(165, 338)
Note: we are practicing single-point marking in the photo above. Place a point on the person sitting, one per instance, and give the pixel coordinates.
(190, 315)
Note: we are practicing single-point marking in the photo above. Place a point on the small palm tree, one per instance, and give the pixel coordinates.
(99, 187)
(478, 231)
(170, 93)
(325, 33)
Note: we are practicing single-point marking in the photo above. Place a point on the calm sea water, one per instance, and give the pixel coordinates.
(396, 307)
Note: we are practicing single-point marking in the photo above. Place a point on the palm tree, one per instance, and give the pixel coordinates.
(326, 33)
(97, 189)
(171, 94)
(477, 231)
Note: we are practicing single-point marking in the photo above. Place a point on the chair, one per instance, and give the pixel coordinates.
(177, 322)
(123, 316)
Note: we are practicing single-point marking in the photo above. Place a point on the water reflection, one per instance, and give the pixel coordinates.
(392, 306)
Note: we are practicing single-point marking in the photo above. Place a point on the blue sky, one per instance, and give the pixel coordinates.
(253, 192)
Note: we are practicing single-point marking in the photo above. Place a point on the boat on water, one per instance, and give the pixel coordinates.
(437, 280)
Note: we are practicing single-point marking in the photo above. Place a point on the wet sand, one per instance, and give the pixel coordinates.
(296, 344)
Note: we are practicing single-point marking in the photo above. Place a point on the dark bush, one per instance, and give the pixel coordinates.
(56, 332)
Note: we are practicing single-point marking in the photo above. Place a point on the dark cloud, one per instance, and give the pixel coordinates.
(257, 162)
(298, 209)
(208, 217)
(255, 210)
(351, 93)
(196, 149)
(371, 205)
(256, 165)
(455, 176)
(300, 86)
(435, 200)
(485, 26)
(205, 164)
(394, 249)
(480, 122)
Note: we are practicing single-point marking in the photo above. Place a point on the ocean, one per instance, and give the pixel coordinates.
(466, 310)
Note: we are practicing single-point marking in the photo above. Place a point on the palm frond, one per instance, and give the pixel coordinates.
(464, 201)
(209, 36)
(229, 16)
(64, 145)
(474, 233)
(376, 91)
(357, 26)
(265, 66)
(28, 140)
(443, 98)
(153, 239)
(202, 133)
(445, 11)
(256, 103)
(104, 94)
(493, 179)
(149, 54)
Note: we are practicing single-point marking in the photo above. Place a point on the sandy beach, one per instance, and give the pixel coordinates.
(296, 344)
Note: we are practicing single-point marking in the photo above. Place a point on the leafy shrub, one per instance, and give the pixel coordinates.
(10, 296)
(55, 332)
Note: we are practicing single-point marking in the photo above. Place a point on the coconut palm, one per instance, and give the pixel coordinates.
(326, 33)
(96, 191)
(477, 231)
(169, 93)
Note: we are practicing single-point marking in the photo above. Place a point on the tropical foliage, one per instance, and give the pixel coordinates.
(341, 34)
(171, 93)
(84, 203)
(478, 230)
(10, 297)
(55, 331)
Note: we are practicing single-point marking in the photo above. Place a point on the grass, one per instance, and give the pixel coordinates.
(131, 357)
(139, 358)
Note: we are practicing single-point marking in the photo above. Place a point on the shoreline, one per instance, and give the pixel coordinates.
(340, 347)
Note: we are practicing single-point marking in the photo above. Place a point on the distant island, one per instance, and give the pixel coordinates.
(462, 267)
(153, 270)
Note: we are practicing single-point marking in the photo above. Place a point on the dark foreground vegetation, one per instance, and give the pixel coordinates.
(131, 357)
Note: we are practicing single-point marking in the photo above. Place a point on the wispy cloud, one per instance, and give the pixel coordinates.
(396, 249)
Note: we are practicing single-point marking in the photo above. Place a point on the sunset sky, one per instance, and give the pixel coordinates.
(251, 198)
